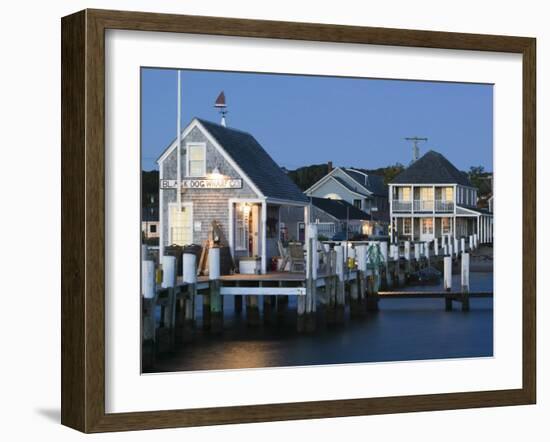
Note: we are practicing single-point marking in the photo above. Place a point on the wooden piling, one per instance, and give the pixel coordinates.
(357, 295)
(169, 310)
(190, 279)
(238, 299)
(148, 303)
(372, 291)
(465, 281)
(253, 310)
(340, 295)
(448, 281)
(216, 301)
(311, 277)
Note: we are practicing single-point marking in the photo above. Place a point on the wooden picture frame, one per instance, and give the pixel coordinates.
(83, 217)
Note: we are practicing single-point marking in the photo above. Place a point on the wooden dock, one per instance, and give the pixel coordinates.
(331, 282)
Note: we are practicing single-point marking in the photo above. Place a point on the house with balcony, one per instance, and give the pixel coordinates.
(431, 198)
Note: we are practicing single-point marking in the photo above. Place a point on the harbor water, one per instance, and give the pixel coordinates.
(402, 330)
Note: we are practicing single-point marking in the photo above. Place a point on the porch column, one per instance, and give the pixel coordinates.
(391, 229)
(412, 228)
(264, 236)
(477, 231)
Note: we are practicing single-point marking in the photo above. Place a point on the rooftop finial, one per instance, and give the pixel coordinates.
(220, 104)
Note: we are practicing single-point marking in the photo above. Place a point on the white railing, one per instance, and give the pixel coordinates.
(401, 206)
(326, 229)
(444, 206)
(423, 205)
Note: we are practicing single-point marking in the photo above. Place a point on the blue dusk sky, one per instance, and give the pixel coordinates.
(303, 120)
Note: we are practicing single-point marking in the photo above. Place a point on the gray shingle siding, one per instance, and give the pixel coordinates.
(208, 205)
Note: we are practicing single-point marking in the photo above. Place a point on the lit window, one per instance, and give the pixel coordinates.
(427, 226)
(181, 220)
(406, 226)
(405, 193)
(197, 160)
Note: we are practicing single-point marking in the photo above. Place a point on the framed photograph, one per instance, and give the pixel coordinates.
(269, 220)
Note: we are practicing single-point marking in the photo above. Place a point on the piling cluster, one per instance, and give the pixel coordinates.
(337, 275)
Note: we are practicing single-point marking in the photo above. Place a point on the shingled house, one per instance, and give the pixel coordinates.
(362, 189)
(225, 176)
(432, 198)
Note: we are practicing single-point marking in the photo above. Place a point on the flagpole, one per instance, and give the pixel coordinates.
(178, 190)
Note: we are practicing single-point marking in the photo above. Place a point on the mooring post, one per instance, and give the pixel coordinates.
(386, 275)
(436, 246)
(463, 245)
(169, 282)
(216, 301)
(253, 309)
(340, 286)
(189, 278)
(448, 281)
(471, 242)
(312, 261)
(372, 290)
(465, 281)
(358, 303)
(407, 253)
(455, 247)
(417, 255)
(148, 314)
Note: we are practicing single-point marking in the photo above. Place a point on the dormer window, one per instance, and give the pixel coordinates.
(196, 159)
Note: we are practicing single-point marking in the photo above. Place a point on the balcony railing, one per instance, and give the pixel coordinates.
(401, 206)
(444, 206)
(423, 206)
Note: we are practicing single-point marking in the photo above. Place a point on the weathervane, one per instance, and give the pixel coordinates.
(220, 104)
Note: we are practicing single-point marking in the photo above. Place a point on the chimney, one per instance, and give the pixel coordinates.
(329, 167)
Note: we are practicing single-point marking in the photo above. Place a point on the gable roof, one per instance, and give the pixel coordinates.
(350, 188)
(255, 162)
(432, 168)
(339, 209)
(374, 183)
(251, 158)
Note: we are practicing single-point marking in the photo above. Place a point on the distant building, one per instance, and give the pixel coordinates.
(432, 198)
(363, 190)
(331, 217)
(150, 225)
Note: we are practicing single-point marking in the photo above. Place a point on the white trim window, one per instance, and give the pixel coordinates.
(196, 159)
(407, 226)
(445, 226)
(180, 224)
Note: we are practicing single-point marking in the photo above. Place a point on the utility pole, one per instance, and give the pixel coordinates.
(416, 149)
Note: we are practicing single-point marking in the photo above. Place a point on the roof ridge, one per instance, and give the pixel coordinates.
(221, 126)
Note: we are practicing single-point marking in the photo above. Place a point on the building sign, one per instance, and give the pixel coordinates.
(203, 183)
